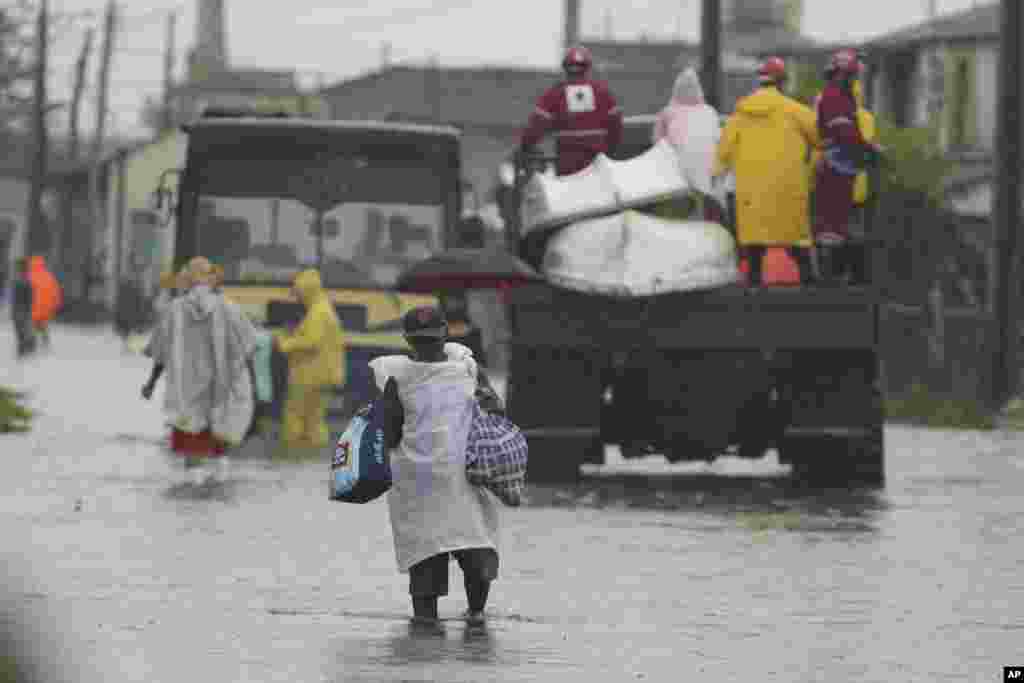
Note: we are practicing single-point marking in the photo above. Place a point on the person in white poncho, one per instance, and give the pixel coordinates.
(693, 128)
(436, 514)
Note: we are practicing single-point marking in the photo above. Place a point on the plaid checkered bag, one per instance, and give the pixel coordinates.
(496, 456)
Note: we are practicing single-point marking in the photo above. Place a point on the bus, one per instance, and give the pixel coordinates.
(268, 196)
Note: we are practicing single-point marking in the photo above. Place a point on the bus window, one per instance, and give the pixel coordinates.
(383, 239)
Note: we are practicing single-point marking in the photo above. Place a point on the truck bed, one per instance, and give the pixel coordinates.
(736, 317)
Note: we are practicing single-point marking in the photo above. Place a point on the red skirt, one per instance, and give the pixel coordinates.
(833, 204)
(201, 444)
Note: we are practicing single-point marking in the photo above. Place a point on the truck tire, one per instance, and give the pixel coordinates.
(840, 454)
(554, 396)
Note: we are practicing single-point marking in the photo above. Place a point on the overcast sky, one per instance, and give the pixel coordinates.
(316, 37)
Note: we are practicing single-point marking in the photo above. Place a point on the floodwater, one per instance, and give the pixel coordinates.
(117, 571)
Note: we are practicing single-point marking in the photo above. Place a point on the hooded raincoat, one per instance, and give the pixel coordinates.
(693, 128)
(316, 361)
(204, 345)
(47, 297)
(768, 143)
(433, 507)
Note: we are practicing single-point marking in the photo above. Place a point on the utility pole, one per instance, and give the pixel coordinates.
(711, 51)
(95, 200)
(74, 151)
(1008, 198)
(435, 87)
(35, 238)
(76, 97)
(571, 29)
(169, 57)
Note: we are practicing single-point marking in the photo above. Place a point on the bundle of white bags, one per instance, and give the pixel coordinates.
(604, 246)
(631, 254)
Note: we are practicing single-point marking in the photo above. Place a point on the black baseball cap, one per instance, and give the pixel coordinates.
(425, 322)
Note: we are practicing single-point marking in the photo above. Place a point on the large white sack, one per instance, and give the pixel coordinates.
(632, 254)
(553, 200)
(604, 187)
(650, 177)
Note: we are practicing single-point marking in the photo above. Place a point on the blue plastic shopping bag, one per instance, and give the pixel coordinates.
(360, 470)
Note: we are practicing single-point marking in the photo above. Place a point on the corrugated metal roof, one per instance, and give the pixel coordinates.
(970, 24)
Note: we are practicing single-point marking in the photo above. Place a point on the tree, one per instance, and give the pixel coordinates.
(16, 68)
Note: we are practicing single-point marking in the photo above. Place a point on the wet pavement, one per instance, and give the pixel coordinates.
(118, 571)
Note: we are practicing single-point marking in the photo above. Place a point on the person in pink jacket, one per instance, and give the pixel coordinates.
(692, 126)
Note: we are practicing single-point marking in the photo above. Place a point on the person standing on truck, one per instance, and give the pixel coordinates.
(316, 364)
(846, 154)
(582, 112)
(767, 143)
(694, 129)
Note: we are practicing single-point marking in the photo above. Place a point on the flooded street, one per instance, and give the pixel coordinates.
(118, 572)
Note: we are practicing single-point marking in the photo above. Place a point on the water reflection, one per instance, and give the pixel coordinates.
(446, 647)
(416, 642)
(757, 503)
(218, 490)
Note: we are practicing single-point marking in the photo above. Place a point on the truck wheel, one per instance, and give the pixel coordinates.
(835, 417)
(761, 425)
(838, 456)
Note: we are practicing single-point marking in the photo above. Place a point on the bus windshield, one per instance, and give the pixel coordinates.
(361, 224)
(268, 239)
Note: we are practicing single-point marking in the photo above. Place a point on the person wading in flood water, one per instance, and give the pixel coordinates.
(436, 514)
(203, 346)
(21, 309)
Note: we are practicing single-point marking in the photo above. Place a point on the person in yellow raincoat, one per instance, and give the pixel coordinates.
(316, 363)
(767, 142)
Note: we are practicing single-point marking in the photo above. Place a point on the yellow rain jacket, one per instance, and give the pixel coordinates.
(316, 361)
(768, 143)
(316, 351)
(868, 129)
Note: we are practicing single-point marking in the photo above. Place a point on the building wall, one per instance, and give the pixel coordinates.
(409, 95)
(935, 89)
(404, 92)
(140, 175)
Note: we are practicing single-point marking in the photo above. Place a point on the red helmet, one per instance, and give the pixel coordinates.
(846, 62)
(772, 70)
(577, 59)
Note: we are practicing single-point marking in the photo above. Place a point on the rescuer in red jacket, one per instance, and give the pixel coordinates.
(581, 111)
(846, 154)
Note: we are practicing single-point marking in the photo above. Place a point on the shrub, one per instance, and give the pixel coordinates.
(14, 416)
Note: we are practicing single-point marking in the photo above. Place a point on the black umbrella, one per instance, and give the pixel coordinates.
(467, 269)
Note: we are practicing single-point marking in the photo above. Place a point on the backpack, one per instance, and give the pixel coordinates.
(360, 468)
